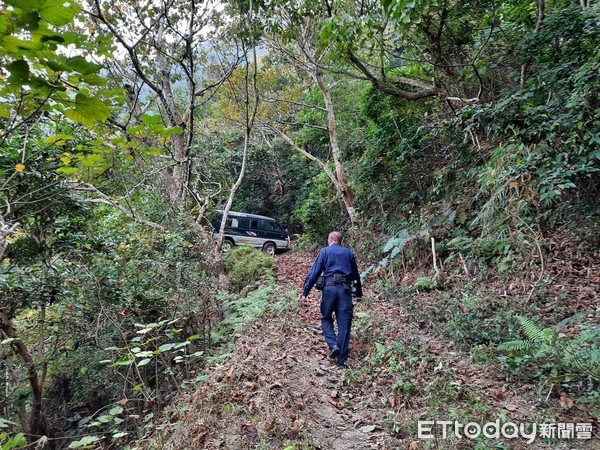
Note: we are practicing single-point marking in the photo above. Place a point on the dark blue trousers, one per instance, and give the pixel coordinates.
(337, 300)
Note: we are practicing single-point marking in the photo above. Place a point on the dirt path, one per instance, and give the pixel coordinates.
(337, 416)
(279, 390)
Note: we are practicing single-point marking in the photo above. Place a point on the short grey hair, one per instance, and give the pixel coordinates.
(335, 236)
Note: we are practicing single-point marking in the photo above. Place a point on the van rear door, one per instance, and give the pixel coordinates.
(272, 230)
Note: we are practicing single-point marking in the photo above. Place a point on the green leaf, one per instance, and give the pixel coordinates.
(58, 139)
(156, 128)
(81, 65)
(58, 12)
(133, 130)
(88, 110)
(182, 344)
(152, 151)
(149, 120)
(116, 411)
(123, 361)
(5, 423)
(167, 132)
(19, 72)
(67, 170)
(166, 347)
(92, 160)
(17, 441)
(87, 440)
(94, 80)
(53, 38)
(15, 46)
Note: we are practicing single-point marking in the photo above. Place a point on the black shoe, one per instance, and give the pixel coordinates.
(335, 352)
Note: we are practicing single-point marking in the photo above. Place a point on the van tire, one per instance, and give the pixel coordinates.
(269, 248)
(228, 244)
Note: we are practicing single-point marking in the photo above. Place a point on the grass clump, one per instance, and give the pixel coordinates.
(247, 267)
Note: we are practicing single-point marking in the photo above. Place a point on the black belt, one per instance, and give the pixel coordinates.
(330, 281)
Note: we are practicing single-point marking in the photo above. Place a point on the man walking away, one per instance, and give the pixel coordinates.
(338, 266)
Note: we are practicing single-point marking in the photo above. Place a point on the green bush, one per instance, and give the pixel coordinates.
(480, 325)
(246, 266)
(321, 211)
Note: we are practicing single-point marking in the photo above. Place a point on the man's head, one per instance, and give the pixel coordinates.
(335, 237)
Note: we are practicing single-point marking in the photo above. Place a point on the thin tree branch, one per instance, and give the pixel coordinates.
(304, 105)
(310, 156)
(431, 91)
(107, 200)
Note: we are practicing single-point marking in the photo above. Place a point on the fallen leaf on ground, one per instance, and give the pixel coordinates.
(338, 404)
(566, 402)
(498, 394)
(198, 439)
(298, 424)
(250, 431)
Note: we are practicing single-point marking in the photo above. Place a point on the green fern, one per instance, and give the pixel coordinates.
(583, 355)
(535, 333)
(425, 283)
(537, 339)
(516, 346)
(579, 355)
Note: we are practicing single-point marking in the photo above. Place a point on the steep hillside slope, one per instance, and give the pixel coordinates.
(278, 389)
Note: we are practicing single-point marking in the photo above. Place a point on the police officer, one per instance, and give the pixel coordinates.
(338, 266)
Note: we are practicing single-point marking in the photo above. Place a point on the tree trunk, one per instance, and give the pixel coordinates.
(179, 149)
(340, 173)
(250, 117)
(32, 425)
(541, 9)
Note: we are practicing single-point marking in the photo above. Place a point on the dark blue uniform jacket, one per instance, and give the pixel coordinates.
(333, 259)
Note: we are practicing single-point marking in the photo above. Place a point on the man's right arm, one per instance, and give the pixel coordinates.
(313, 274)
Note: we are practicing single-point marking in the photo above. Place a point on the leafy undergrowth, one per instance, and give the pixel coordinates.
(277, 389)
(550, 308)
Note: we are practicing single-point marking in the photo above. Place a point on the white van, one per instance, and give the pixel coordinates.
(251, 229)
